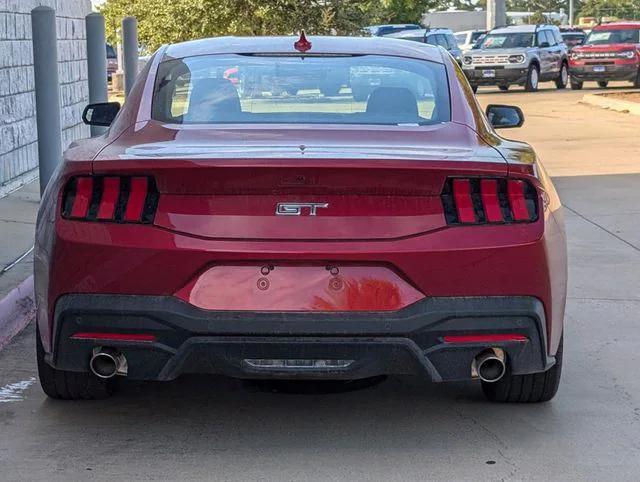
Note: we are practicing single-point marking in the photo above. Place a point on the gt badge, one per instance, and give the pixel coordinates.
(296, 209)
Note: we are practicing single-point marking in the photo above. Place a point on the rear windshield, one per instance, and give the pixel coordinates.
(244, 89)
(507, 40)
(618, 36)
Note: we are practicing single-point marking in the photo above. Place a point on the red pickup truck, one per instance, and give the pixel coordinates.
(610, 52)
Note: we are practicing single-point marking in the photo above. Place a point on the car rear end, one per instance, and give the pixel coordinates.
(315, 250)
(611, 52)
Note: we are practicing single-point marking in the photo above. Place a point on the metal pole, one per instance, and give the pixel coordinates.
(96, 63)
(570, 13)
(130, 48)
(47, 89)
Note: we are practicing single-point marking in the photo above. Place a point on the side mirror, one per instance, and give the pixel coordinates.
(504, 116)
(544, 45)
(101, 114)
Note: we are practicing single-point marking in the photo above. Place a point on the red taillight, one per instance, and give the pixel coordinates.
(463, 201)
(82, 197)
(489, 200)
(492, 338)
(110, 198)
(137, 196)
(517, 201)
(110, 193)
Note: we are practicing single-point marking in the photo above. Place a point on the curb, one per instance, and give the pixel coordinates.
(606, 102)
(16, 310)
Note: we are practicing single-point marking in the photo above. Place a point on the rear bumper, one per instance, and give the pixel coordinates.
(192, 340)
(612, 72)
(502, 75)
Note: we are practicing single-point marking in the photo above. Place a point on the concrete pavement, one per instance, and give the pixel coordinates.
(204, 428)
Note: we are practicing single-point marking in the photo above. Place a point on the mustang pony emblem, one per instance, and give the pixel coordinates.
(295, 209)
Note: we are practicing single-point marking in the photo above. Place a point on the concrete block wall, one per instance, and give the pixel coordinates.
(18, 133)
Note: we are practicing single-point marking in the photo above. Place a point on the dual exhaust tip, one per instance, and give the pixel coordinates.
(107, 362)
(489, 366)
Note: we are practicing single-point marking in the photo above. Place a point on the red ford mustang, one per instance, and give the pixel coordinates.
(299, 234)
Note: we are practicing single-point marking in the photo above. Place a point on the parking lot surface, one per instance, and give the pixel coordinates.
(403, 428)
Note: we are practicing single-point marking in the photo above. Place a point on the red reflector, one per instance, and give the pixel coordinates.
(114, 336)
(484, 338)
(462, 198)
(137, 196)
(490, 201)
(110, 193)
(84, 190)
(515, 192)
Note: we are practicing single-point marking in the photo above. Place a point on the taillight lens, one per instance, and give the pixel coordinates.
(120, 199)
(489, 201)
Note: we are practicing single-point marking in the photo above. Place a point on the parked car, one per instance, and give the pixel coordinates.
(300, 237)
(432, 36)
(572, 36)
(381, 30)
(523, 55)
(112, 61)
(467, 39)
(610, 52)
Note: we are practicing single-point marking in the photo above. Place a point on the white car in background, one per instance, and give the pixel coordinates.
(467, 38)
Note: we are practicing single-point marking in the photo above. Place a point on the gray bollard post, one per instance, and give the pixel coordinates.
(96, 63)
(47, 89)
(130, 49)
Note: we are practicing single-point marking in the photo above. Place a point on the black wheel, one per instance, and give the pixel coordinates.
(503, 88)
(329, 89)
(533, 388)
(533, 77)
(563, 78)
(474, 88)
(576, 85)
(359, 95)
(603, 84)
(64, 385)
(636, 83)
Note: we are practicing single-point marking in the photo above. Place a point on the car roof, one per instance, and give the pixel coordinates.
(422, 32)
(617, 26)
(522, 28)
(410, 25)
(320, 45)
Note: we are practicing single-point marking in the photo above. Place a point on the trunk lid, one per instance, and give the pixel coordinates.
(302, 183)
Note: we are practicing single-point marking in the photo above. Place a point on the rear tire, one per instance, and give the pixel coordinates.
(636, 83)
(359, 95)
(63, 385)
(563, 78)
(533, 78)
(603, 84)
(576, 85)
(532, 388)
(503, 88)
(330, 89)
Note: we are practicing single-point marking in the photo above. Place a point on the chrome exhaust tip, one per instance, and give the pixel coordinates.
(107, 362)
(489, 366)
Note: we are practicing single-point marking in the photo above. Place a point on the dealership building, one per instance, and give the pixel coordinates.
(18, 133)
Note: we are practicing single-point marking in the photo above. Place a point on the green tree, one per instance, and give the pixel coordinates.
(406, 11)
(624, 9)
(162, 21)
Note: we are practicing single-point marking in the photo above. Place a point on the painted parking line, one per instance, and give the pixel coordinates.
(13, 391)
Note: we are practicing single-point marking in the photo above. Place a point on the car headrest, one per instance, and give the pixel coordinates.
(213, 100)
(392, 101)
